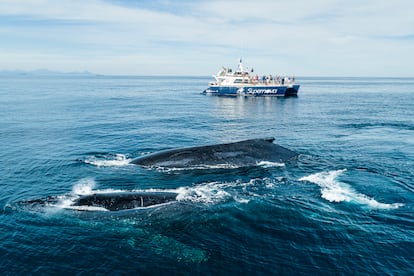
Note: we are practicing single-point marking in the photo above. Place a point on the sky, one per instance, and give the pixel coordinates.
(198, 37)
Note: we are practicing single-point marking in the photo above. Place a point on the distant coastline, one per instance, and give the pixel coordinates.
(44, 72)
(51, 73)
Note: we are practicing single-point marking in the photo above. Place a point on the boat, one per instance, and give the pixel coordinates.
(242, 83)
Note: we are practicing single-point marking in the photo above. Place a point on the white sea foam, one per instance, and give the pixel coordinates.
(84, 186)
(199, 167)
(116, 160)
(215, 192)
(264, 164)
(206, 193)
(336, 191)
(86, 208)
(242, 200)
(269, 164)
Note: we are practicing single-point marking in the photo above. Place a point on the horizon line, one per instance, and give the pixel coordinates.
(46, 72)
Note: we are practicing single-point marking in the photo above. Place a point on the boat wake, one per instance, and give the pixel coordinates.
(337, 191)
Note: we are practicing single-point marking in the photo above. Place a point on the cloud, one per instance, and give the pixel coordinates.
(195, 37)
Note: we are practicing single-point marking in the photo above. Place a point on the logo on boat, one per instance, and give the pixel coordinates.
(261, 91)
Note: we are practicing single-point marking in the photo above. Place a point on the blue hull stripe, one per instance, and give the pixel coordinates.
(253, 90)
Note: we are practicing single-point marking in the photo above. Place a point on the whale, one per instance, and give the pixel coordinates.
(104, 201)
(118, 201)
(236, 154)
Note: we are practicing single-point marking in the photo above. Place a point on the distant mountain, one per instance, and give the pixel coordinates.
(43, 72)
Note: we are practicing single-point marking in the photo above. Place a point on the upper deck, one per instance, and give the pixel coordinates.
(242, 77)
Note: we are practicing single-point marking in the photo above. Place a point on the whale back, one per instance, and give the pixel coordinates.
(243, 153)
(125, 200)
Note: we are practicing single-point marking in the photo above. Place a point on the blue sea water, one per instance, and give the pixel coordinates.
(344, 207)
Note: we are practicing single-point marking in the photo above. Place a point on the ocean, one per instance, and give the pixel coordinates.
(345, 206)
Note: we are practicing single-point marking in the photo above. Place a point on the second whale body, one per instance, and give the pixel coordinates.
(124, 200)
